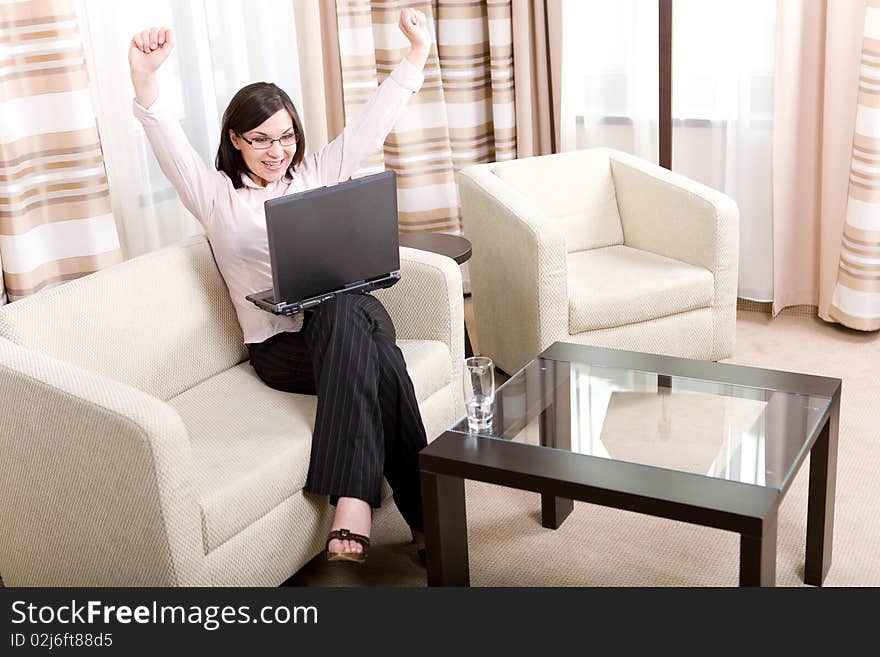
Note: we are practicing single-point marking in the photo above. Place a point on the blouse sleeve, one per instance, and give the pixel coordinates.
(196, 185)
(366, 132)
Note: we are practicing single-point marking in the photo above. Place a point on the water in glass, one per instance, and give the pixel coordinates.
(479, 392)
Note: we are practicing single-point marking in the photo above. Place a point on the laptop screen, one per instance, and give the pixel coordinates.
(328, 238)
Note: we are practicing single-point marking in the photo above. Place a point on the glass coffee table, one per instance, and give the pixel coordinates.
(707, 443)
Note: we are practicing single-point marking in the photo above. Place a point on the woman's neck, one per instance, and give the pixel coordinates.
(259, 181)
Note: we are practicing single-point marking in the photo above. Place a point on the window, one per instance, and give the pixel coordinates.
(722, 100)
(221, 45)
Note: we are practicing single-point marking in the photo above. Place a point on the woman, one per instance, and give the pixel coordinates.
(367, 424)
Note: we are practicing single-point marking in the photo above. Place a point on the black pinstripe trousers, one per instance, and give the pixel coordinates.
(368, 423)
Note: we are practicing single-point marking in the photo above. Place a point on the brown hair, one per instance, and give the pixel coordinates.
(249, 107)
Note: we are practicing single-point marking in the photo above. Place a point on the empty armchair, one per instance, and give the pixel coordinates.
(598, 247)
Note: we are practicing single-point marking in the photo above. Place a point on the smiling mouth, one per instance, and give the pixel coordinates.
(274, 166)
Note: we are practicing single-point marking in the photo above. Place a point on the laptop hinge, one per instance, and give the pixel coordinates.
(362, 287)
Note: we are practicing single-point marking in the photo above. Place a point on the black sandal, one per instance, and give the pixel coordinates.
(346, 535)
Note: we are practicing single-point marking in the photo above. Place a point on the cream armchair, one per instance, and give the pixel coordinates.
(598, 247)
(137, 445)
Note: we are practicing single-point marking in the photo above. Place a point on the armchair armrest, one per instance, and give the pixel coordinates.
(671, 215)
(97, 485)
(676, 217)
(518, 270)
(428, 304)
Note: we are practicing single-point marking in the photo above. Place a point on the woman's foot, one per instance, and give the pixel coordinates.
(356, 516)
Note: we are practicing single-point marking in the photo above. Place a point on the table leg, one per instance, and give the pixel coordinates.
(554, 510)
(468, 349)
(445, 515)
(757, 555)
(820, 507)
(554, 426)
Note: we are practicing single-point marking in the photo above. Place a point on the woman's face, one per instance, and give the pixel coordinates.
(267, 165)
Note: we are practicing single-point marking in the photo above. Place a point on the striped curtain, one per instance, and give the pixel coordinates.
(856, 299)
(55, 218)
(464, 113)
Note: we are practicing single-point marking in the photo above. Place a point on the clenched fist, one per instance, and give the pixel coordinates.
(414, 26)
(149, 49)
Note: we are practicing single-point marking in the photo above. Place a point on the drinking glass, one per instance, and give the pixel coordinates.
(479, 392)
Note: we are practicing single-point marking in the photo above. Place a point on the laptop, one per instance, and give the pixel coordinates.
(340, 239)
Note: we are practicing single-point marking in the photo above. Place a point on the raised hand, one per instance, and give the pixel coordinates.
(149, 49)
(414, 26)
(146, 53)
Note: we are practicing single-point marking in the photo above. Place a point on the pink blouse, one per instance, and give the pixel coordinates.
(234, 220)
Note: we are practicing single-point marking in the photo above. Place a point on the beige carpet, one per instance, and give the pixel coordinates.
(597, 546)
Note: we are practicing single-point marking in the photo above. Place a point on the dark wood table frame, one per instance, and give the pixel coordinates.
(561, 477)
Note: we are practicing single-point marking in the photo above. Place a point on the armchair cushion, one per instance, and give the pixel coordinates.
(575, 191)
(251, 449)
(618, 285)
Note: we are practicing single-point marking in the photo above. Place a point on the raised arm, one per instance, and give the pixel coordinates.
(195, 183)
(367, 130)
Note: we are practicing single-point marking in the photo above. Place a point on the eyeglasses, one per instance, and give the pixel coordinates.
(265, 143)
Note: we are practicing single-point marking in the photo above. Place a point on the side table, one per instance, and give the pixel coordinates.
(452, 246)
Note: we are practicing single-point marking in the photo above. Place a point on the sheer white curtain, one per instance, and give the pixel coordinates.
(610, 90)
(222, 45)
(722, 100)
